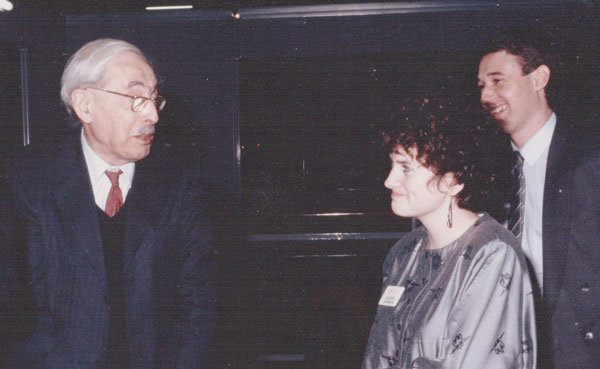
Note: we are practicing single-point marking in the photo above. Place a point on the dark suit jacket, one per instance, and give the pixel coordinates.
(47, 212)
(570, 321)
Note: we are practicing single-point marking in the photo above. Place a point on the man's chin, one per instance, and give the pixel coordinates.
(501, 120)
(140, 154)
(506, 127)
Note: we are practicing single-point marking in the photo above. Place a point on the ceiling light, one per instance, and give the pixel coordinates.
(168, 7)
(5, 5)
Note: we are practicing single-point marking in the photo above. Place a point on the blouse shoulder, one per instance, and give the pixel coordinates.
(491, 240)
(407, 244)
(487, 229)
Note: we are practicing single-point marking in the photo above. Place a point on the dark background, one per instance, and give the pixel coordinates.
(280, 101)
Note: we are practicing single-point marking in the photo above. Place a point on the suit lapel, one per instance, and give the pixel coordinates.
(75, 206)
(142, 212)
(556, 215)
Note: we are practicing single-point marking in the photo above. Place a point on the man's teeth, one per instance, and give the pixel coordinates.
(498, 109)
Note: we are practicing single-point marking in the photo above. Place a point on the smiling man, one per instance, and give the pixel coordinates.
(116, 241)
(515, 75)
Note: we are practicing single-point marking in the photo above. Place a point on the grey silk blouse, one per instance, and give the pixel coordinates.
(468, 305)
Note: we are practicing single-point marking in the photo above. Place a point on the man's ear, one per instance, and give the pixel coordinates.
(450, 185)
(541, 77)
(81, 103)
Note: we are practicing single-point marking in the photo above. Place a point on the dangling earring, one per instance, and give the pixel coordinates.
(450, 220)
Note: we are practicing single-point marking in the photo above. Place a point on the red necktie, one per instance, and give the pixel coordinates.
(114, 201)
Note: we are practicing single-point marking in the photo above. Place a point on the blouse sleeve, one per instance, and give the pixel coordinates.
(492, 323)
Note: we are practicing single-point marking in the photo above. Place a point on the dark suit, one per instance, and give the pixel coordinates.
(168, 270)
(571, 254)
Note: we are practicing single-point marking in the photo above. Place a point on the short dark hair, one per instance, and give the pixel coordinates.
(450, 138)
(533, 48)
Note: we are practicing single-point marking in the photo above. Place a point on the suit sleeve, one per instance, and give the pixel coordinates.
(492, 325)
(576, 316)
(18, 309)
(30, 336)
(196, 290)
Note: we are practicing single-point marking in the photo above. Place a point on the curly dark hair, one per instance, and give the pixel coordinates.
(452, 139)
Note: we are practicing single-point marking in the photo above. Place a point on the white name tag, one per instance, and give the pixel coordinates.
(391, 296)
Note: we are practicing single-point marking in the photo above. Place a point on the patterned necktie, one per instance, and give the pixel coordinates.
(515, 223)
(114, 201)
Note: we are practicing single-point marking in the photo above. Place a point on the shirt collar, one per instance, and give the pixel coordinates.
(535, 147)
(96, 166)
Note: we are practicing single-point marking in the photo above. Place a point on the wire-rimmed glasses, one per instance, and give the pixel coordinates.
(139, 102)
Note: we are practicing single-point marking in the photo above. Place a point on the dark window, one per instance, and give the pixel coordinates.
(310, 136)
(10, 100)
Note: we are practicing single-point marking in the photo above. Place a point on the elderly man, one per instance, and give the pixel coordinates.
(116, 242)
(558, 228)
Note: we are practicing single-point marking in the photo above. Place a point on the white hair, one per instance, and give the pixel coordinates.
(86, 67)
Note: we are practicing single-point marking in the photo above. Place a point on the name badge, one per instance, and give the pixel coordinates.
(391, 296)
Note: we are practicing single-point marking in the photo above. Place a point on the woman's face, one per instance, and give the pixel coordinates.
(415, 188)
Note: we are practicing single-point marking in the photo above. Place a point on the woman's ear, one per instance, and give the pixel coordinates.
(80, 102)
(449, 185)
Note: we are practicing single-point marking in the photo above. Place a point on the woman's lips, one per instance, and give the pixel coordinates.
(397, 194)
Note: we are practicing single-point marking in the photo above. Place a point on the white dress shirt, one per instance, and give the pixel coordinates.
(535, 153)
(100, 183)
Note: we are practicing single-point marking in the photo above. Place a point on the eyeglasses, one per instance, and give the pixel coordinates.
(139, 102)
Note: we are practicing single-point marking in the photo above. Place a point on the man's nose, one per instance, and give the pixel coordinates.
(486, 94)
(150, 112)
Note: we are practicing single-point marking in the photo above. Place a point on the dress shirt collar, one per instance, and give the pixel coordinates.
(96, 166)
(536, 146)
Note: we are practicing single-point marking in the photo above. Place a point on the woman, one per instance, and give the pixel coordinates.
(456, 293)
